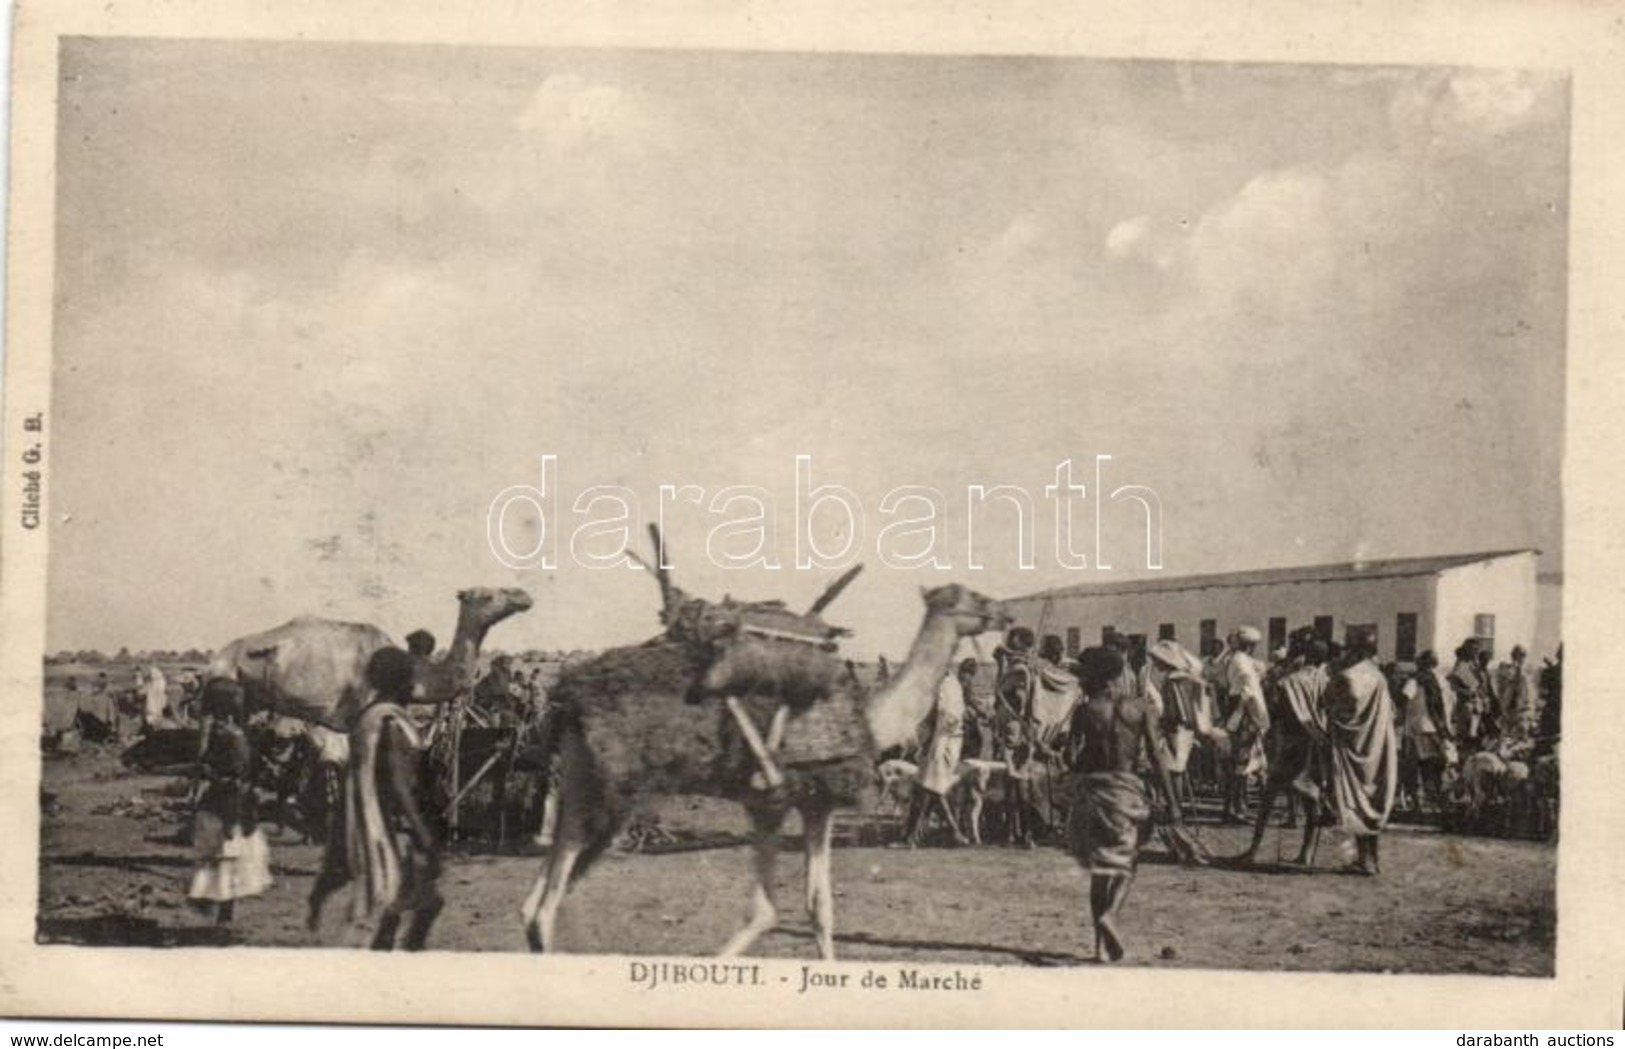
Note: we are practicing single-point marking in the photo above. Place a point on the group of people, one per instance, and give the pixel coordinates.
(102, 712)
(1215, 717)
(508, 695)
(1332, 739)
(1341, 737)
(1016, 732)
(1475, 706)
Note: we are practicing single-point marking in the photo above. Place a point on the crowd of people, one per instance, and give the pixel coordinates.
(102, 713)
(509, 696)
(1345, 740)
(1241, 727)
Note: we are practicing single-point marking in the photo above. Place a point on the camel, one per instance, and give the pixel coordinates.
(316, 669)
(626, 730)
(329, 674)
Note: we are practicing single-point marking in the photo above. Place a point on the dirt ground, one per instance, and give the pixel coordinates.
(113, 872)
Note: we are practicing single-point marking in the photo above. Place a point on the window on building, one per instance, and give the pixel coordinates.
(1209, 633)
(1484, 630)
(1165, 632)
(1074, 640)
(1277, 632)
(1108, 634)
(1405, 637)
(1323, 628)
(1353, 632)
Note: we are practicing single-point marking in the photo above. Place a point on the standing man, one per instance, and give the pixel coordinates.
(1550, 725)
(1012, 706)
(1246, 720)
(1298, 741)
(1364, 750)
(156, 690)
(1472, 698)
(939, 770)
(1515, 689)
(191, 697)
(1176, 695)
(1427, 697)
(1111, 811)
(977, 755)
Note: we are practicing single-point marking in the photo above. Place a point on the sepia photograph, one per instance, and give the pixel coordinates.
(823, 521)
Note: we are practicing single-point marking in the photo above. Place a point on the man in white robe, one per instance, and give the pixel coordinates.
(1247, 721)
(156, 691)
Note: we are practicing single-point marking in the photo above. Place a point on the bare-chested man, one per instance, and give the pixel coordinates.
(1111, 812)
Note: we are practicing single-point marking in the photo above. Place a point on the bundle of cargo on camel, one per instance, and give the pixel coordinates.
(745, 701)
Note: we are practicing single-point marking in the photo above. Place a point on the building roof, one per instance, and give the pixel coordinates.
(1342, 572)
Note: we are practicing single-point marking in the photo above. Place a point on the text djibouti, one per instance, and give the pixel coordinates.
(806, 980)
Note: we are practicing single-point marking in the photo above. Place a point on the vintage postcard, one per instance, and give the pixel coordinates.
(760, 516)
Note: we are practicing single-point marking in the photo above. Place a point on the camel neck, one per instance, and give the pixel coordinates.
(465, 646)
(897, 710)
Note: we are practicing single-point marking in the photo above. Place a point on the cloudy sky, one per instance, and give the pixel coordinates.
(318, 304)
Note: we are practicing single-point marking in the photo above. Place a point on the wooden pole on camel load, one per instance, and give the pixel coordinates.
(456, 765)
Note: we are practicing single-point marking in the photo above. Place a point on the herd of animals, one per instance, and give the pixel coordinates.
(664, 716)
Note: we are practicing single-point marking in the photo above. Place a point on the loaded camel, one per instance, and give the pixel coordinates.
(316, 669)
(627, 729)
(333, 675)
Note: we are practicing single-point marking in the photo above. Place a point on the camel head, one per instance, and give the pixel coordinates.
(971, 613)
(952, 612)
(488, 606)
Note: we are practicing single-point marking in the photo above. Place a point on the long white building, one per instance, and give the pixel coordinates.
(1409, 604)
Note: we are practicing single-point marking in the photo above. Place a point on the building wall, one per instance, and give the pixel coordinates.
(1548, 617)
(1361, 601)
(1504, 588)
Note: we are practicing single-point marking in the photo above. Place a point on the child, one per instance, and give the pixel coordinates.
(233, 861)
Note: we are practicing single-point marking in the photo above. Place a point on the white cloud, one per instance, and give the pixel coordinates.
(1494, 101)
(1016, 241)
(1457, 112)
(1144, 239)
(1127, 236)
(569, 110)
(1269, 246)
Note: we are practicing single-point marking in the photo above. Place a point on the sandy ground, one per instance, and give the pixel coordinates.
(112, 872)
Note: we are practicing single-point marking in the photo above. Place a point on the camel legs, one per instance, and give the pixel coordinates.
(550, 819)
(818, 826)
(584, 826)
(542, 905)
(572, 835)
(765, 824)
